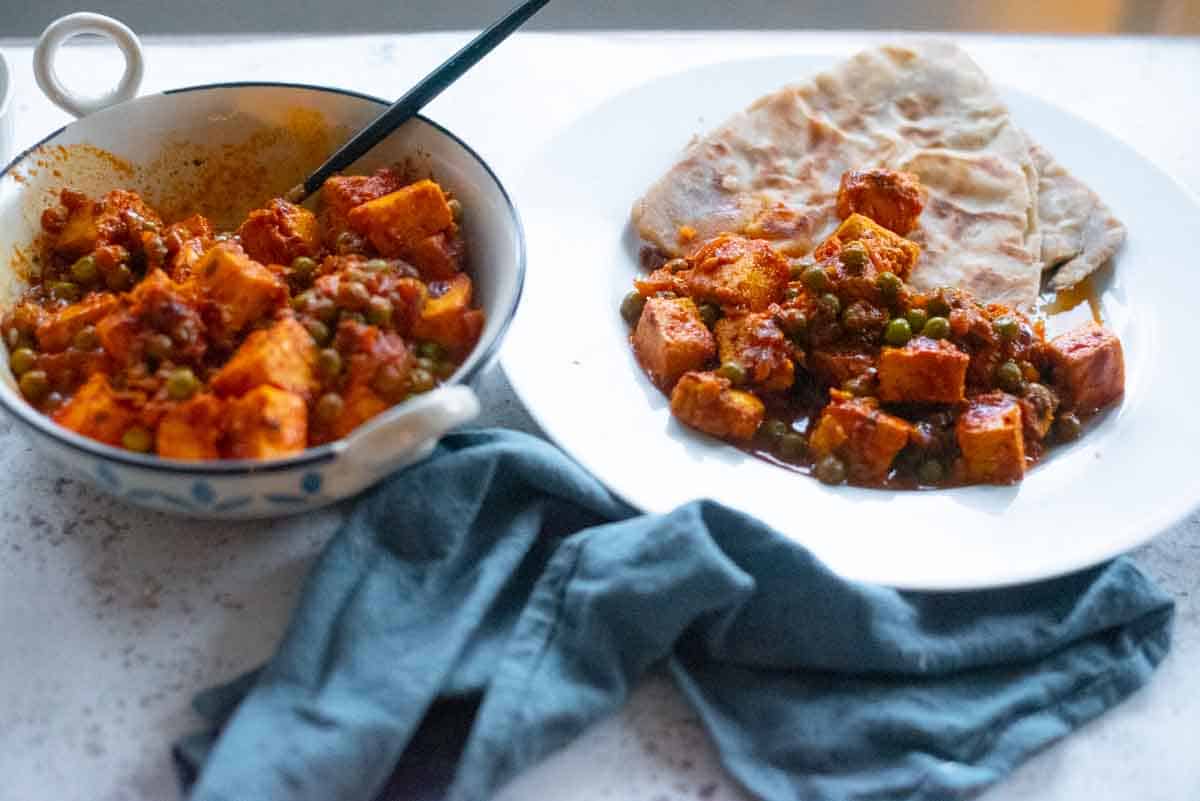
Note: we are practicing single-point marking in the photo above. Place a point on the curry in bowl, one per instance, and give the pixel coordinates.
(173, 338)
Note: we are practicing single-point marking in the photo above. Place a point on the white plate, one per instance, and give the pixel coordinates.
(568, 358)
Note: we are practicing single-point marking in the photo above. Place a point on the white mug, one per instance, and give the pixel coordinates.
(62, 29)
(6, 120)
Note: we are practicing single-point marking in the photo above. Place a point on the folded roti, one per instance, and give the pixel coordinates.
(1078, 230)
(772, 171)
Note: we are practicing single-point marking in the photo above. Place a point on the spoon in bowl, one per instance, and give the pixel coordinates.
(416, 98)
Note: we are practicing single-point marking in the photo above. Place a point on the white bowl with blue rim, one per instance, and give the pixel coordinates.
(236, 145)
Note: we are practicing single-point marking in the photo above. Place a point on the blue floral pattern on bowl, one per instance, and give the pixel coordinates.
(204, 496)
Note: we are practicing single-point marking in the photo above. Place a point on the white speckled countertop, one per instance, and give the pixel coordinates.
(111, 618)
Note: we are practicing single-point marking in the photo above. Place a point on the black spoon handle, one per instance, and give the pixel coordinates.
(416, 98)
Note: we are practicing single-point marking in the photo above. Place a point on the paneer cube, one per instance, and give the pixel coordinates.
(267, 423)
(359, 405)
(738, 273)
(438, 257)
(283, 356)
(55, 332)
(990, 437)
(448, 318)
(99, 412)
(708, 402)
(192, 430)
(117, 333)
(1089, 367)
(397, 221)
(341, 193)
(240, 289)
(671, 339)
(116, 219)
(187, 241)
(865, 438)
(755, 342)
(891, 198)
(889, 251)
(280, 232)
(923, 371)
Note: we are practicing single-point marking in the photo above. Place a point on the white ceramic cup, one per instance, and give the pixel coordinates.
(6, 120)
(56, 35)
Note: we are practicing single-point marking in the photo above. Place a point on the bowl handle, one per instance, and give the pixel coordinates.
(425, 419)
(62, 29)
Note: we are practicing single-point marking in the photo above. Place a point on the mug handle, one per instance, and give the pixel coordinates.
(426, 418)
(63, 29)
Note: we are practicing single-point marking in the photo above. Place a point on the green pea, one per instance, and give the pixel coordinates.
(937, 306)
(84, 270)
(379, 312)
(317, 330)
(353, 317)
(304, 267)
(631, 307)
(830, 303)
(375, 265)
(898, 332)
(329, 364)
(772, 430)
(65, 290)
(352, 295)
(916, 320)
(889, 285)
(159, 346)
(856, 317)
(323, 308)
(815, 278)
(792, 445)
(796, 269)
(300, 302)
(830, 470)
(733, 371)
(22, 361)
(35, 385)
(1007, 328)
(931, 472)
(431, 350)
(119, 278)
(1067, 427)
(1009, 377)
(421, 380)
(445, 369)
(182, 384)
(794, 323)
(791, 293)
(85, 338)
(137, 439)
(329, 408)
(710, 313)
(936, 328)
(854, 257)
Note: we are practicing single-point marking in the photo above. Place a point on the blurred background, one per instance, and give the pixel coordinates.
(1172, 17)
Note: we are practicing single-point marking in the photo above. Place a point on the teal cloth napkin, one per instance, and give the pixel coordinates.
(478, 610)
